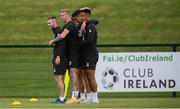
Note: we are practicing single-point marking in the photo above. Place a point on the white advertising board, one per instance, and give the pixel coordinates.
(138, 72)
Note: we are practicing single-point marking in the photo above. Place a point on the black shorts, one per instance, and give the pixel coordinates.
(89, 63)
(73, 61)
(73, 57)
(61, 68)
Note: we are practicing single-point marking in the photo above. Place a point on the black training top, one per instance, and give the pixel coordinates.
(90, 40)
(72, 38)
(90, 35)
(81, 35)
(60, 46)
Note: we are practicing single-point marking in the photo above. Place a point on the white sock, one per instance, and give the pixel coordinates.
(61, 98)
(88, 95)
(94, 95)
(83, 95)
(75, 94)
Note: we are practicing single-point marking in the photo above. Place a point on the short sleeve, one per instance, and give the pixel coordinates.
(70, 27)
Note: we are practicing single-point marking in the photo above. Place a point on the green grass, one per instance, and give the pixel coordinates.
(121, 21)
(104, 103)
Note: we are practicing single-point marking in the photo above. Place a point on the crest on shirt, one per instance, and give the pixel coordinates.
(54, 70)
(87, 64)
(70, 62)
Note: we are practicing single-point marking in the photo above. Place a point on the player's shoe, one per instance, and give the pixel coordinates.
(95, 101)
(58, 101)
(82, 100)
(86, 101)
(72, 101)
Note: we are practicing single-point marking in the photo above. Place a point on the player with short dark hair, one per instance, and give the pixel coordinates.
(59, 59)
(85, 92)
(82, 80)
(86, 10)
(89, 53)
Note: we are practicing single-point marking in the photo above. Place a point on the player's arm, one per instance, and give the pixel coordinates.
(82, 29)
(95, 22)
(92, 21)
(92, 34)
(59, 37)
(62, 35)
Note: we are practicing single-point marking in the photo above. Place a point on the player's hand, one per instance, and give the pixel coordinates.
(83, 26)
(57, 61)
(51, 43)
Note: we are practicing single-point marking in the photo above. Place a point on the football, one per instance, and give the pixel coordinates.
(109, 78)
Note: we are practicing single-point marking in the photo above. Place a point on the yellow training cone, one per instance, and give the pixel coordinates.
(16, 103)
(33, 100)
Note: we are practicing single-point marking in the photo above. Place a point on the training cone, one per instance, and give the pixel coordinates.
(33, 100)
(16, 103)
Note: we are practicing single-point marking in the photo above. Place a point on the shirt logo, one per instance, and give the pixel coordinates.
(90, 30)
(87, 64)
(54, 70)
(70, 62)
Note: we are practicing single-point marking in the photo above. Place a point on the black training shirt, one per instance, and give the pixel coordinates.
(90, 40)
(90, 35)
(72, 38)
(59, 48)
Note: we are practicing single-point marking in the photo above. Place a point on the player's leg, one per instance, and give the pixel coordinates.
(93, 85)
(73, 61)
(91, 79)
(75, 91)
(90, 66)
(59, 69)
(74, 81)
(85, 91)
(81, 85)
(60, 84)
(87, 87)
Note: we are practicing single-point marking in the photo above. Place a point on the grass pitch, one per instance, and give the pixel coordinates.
(104, 103)
(121, 21)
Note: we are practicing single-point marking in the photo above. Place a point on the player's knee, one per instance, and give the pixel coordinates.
(72, 79)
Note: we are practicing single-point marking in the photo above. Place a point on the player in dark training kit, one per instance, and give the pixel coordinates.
(85, 92)
(89, 53)
(59, 59)
(70, 33)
